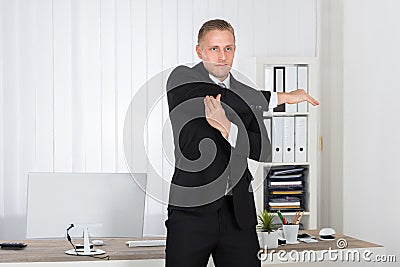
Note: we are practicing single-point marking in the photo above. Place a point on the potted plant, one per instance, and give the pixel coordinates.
(267, 229)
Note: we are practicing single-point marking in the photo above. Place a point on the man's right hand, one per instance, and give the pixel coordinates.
(215, 115)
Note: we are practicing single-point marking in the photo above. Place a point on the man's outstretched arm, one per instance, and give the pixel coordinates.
(216, 117)
(295, 97)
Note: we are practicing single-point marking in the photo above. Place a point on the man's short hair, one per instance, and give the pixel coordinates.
(214, 24)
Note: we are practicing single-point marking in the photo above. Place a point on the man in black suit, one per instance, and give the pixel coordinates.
(217, 124)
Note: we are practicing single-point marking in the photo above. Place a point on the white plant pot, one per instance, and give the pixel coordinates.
(260, 239)
(269, 240)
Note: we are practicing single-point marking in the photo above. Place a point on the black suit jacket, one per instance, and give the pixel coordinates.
(204, 159)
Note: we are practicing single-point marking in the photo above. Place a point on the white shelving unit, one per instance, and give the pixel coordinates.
(254, 69)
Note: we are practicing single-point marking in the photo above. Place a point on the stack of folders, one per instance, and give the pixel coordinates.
(289, 138)
(284, 189)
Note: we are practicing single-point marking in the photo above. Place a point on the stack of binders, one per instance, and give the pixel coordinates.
(283, 189)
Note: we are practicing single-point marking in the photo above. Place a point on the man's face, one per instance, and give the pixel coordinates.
(217, 50)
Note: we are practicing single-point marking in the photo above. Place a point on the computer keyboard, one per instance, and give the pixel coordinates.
(146, 243)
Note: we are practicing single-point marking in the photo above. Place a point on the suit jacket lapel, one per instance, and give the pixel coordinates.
(234, 83)
(203, 72)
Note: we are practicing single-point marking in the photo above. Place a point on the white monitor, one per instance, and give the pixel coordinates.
(116, 201)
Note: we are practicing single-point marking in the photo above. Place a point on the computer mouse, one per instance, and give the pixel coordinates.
(97, 242)
(327, 234)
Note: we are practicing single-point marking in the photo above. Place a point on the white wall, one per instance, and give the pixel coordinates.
(69, 69)
(371, 130)
(330, 54)
(359, 55)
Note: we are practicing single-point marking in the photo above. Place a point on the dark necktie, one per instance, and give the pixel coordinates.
(222, 85)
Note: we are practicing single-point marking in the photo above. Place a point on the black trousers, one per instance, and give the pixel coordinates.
(193, 236)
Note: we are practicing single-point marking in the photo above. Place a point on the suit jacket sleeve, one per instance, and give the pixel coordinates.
(184, 84)
(252, 138)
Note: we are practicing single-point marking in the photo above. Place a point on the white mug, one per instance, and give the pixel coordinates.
(290, 232)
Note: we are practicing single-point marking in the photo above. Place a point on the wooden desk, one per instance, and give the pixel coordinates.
(52, 252)
(326, 244)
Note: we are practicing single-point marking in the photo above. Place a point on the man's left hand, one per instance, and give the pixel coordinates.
(295, 97)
